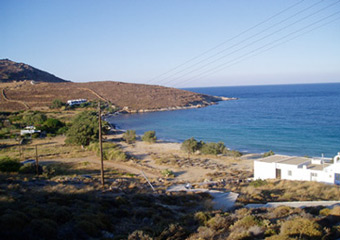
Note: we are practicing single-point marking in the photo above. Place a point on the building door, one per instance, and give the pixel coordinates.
(278, 173)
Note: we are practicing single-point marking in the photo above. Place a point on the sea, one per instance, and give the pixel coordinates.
(297, 120)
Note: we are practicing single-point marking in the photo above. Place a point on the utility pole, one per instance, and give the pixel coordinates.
(101, 144)
(36, 159)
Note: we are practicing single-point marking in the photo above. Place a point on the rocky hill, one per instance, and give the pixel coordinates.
(19, 92)
(12, 71)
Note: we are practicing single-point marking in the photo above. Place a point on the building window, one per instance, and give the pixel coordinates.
(289, 172)
(314, 174)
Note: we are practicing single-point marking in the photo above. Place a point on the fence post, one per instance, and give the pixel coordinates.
(36, 159)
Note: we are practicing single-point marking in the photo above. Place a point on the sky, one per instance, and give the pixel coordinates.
(177, 43)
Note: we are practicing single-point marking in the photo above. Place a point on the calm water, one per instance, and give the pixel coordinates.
(288, 119)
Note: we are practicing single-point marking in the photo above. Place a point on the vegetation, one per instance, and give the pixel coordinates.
(111, 151)
(192, 145)
(149, 137)
(267, 154)
(57, 103)
(8, 164)
(84, 129)
(213, 148)
(129, 136)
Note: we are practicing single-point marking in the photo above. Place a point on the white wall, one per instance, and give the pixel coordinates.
(263, 170)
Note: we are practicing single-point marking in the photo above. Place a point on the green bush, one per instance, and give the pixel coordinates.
(258, 183)
(190, 145)
(168, 173)
(213, 148)
(30, 168)
(57, 103)
(34, 118)
(149, 137)
(267, 154)
(8, 164)
(129, 136)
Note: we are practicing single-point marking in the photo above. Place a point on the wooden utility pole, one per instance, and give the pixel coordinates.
(101, 144)
(36, 159)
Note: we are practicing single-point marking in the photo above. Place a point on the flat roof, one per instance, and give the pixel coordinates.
(291, 160)
(318, 167)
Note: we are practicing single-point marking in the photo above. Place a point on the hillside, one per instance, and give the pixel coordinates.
(131, 97)
(19, 92)
(12, 71)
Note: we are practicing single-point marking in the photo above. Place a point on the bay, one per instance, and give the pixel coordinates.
(298, 120)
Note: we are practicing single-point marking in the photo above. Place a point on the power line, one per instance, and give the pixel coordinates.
(224, 42)
(234, 45)
(265, 47)
(252, 43)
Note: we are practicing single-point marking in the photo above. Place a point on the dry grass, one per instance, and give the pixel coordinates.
(134, 96)
(275, 190)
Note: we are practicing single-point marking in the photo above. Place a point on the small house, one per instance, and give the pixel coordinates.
(298, 168)
(76, 102)
(29, 130)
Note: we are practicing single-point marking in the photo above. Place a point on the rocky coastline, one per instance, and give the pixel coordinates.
(213, 100)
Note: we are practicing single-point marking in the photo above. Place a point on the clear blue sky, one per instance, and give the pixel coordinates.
(136, 41)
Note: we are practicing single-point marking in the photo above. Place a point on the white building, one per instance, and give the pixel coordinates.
(298, 168)
(76, 101)
(29, 130)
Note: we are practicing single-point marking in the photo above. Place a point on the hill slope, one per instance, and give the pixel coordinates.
(131, 97)
(12, 71)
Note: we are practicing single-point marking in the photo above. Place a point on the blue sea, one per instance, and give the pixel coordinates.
(287, 119)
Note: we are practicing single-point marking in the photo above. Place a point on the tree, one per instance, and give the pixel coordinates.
(84, 129)
(35, 118)
(149, 136)
(52, 125)
(130, 136)
(190, 145)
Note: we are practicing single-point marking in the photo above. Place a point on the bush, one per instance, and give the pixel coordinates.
(52, 125)
(30, 168)
(149, 137)
(267, 154)
(213, 148)
(168, 173)
(301, 227)
(8, 164)
(258, 183)
(129, 136)
(57, 103)
(190, 145)
(34, 118)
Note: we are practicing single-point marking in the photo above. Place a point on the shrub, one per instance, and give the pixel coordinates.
(139, 235)
(8, 164)
(52, 125)
(202, 217)
(213, 148)
(267, 154)
(30, 168)
(34, 118)
(258, 183)
(168, 173)
(301, 227)
(232, 153)
(190, 145)
(129, 136)
(57, 103)
(149, 137)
